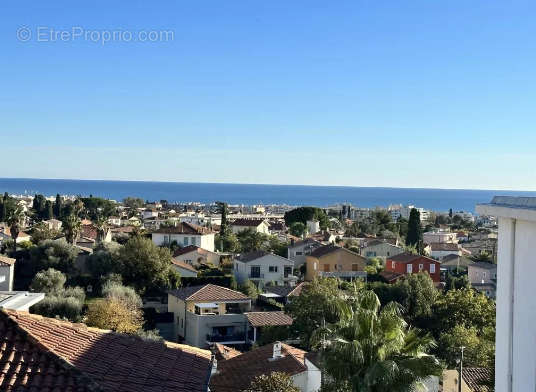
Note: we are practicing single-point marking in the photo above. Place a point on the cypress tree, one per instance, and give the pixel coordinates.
(58, 206)
(414, 237)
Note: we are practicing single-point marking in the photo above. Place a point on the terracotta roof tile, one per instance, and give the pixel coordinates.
(4, 260)
(208, 292)
(223, 352)
(476, 378)
(263, 319)
(39, 353)
(184, 265)
(236, 374)
(247, 222)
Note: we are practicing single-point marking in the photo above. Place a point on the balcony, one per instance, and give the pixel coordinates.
(235, 338)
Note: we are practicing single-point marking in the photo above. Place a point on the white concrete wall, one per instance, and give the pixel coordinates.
(205, 241)
(6, 277)
(515, 364)
(308, 381)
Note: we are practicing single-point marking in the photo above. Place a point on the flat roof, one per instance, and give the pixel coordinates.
(522, 208)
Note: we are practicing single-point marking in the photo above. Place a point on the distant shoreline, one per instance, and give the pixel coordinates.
(255, 194)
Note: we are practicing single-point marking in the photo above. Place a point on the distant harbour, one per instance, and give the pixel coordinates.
(250, 194)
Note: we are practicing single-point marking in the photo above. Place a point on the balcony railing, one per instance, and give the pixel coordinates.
(343, 274)
(235, 337)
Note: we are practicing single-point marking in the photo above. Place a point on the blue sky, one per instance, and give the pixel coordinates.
(365, 93)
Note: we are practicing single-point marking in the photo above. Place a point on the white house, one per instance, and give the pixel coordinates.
(194, 255)
(149, 213)
(440, 236)
(236, 373)
(53, 224)
(297, 251)
(184, 269)
(258, 225)
(262, 267)
(515, 356)
(7, 272)
(381, 249)
(440, 250)
(185, 234)
(313, 226)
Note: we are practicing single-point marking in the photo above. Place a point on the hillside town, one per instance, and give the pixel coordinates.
(139, 295)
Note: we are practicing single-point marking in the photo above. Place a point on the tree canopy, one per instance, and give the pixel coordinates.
(303, 214)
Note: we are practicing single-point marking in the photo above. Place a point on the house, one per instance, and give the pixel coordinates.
(114, 221)
(236, 374)
(19, 300)
(89, 234)
(194, 255)
(258, 320)
(473, 380)
(185, 234)
(7, 273)
(184, 269)
(149, 213)
(277, 227)
(298, 250)
(407, 263)
(482, 272)
(282, 294)
(483, 278)
(258, 225)
(312, 226)
(439, 250)
(455, 262)
(5, 234)
(53, 224)
(262, 267)
(380, 249)
(45, 354)
(440, 236)
(334, 261)
(208, 314)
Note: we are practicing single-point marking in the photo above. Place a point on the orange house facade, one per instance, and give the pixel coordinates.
(407, 263)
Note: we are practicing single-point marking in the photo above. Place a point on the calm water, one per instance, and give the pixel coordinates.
(434, 199)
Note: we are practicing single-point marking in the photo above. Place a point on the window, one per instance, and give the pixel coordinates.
(354, 267)
(255, 272)
(272, 268)
(185, 241)
(393, 264)
(388, 254)
(315, 265)
(432, 268)
(287, 272)
(409, 268)
(420, 267)
(298, 253)
(2, 278)
(326, 267)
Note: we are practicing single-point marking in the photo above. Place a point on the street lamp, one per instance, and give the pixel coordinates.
(460, 379)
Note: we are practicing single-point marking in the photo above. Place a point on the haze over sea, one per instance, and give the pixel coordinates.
(322, 196)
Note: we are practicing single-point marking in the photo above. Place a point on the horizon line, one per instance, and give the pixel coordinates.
(263, 184)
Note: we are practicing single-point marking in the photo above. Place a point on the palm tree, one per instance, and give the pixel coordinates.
(71, 227)
(14, 219)
(373, 350)
(101, 224)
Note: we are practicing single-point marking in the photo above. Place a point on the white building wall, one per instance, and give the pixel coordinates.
(308, 381)
(515, 364)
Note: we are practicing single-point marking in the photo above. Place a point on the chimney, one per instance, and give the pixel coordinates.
(277, 351)
(214, 369)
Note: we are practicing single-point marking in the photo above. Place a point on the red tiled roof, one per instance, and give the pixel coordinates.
(223, 352)
(390, 276)
(408, 258)
(184, 265)
(476, 378)
(247, 222)
(186, 249)
(88, 231)
(7, 260)
(444, 246)
(208, 292)
(236, 374)
(263, 319)
(184, 228)
(44, 354)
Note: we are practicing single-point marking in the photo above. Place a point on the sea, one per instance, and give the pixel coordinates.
(253, 194)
